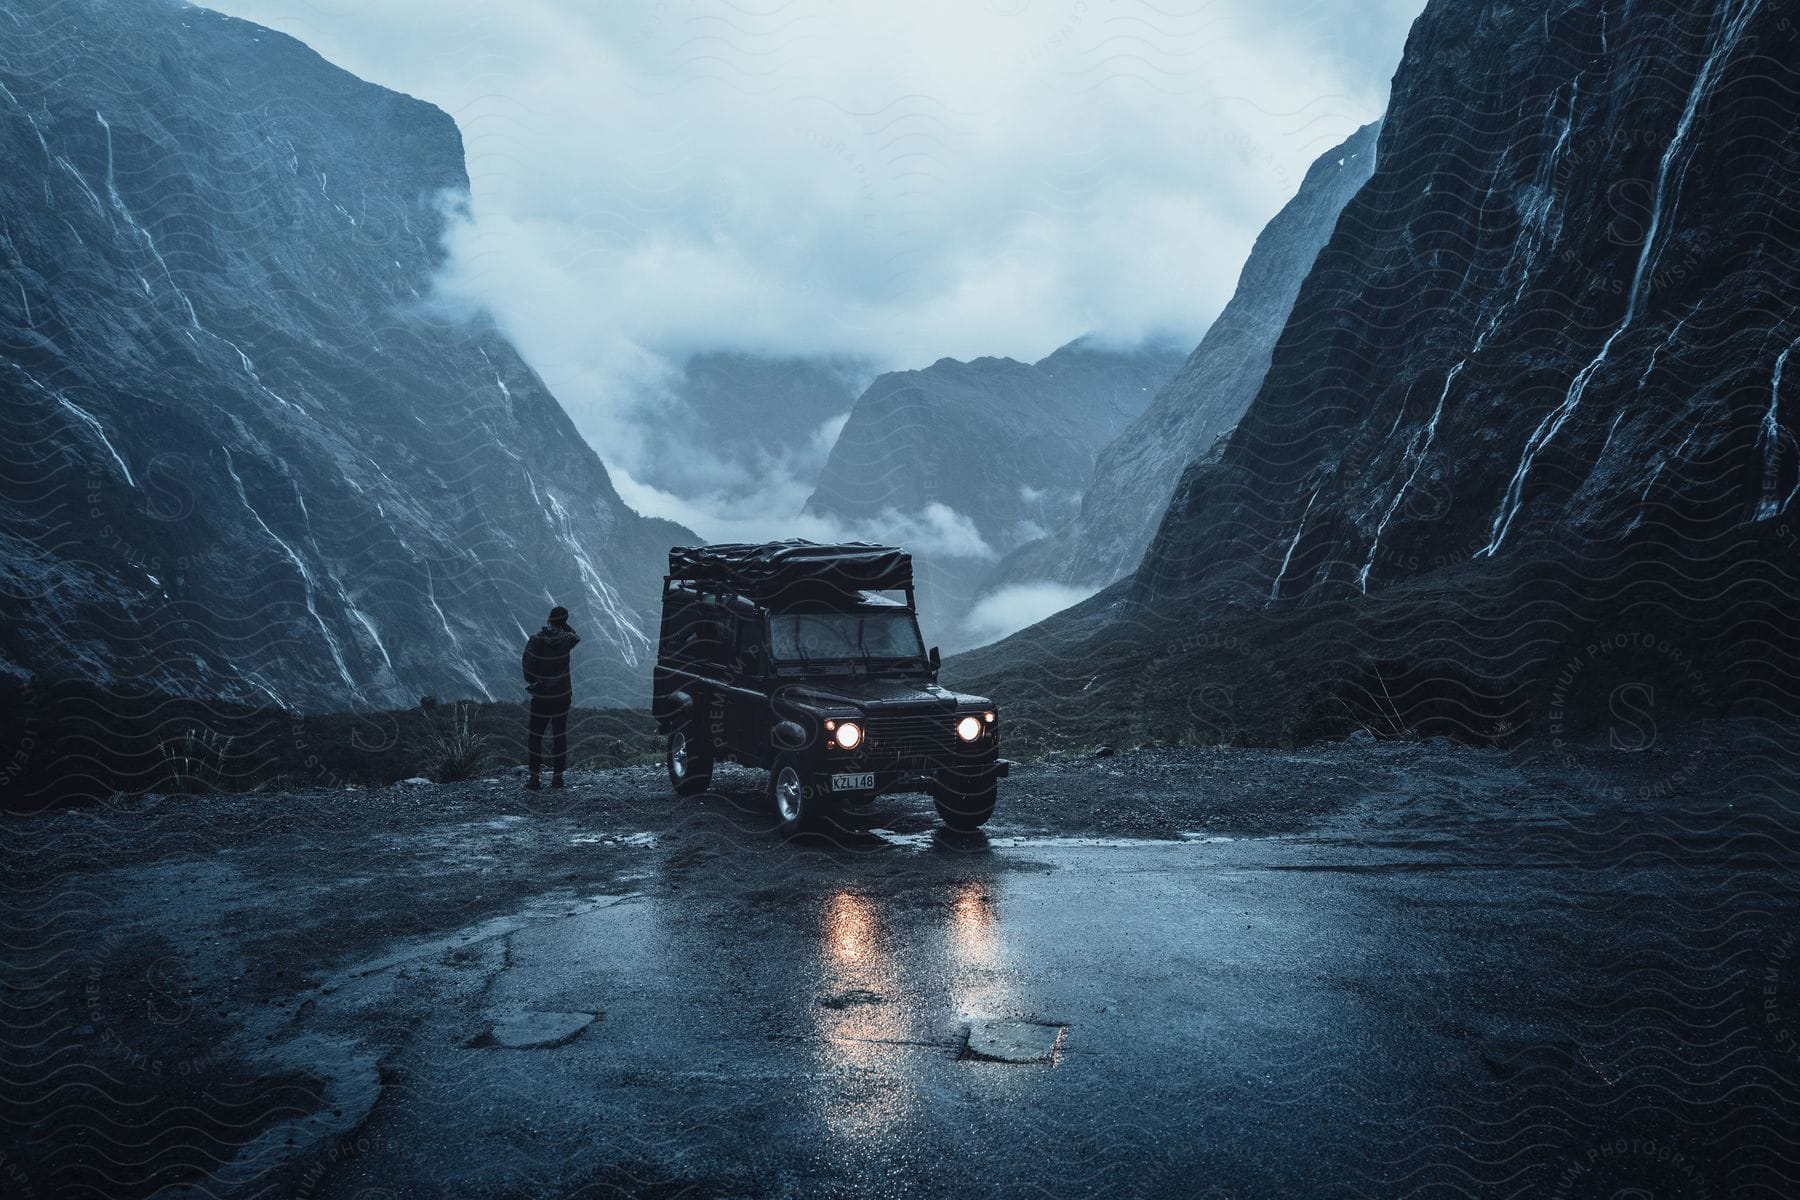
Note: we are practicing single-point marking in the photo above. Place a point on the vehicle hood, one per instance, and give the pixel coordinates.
(893, 695)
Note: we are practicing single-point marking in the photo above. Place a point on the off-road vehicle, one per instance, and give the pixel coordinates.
(806, 660)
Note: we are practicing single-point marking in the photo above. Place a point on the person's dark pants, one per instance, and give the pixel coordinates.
(551, 719)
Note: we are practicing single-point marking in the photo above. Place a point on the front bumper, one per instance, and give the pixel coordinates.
(907, 777)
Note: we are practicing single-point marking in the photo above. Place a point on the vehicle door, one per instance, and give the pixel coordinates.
(747, 711)
(700, 651)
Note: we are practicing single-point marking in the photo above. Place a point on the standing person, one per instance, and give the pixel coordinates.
(546, 664)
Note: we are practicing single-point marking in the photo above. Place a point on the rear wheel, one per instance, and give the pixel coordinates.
(794, 794)
(964, 802)
(689, 758)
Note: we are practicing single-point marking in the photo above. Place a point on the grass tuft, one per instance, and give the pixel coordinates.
(457, 753)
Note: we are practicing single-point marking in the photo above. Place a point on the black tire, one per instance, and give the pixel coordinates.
(794, 795)
(689, 760)
(964, 802)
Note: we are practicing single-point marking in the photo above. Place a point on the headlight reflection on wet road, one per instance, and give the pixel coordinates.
(864, 1021)
(850, 934)
(972, 924)
(980, 986)
(884, 1002)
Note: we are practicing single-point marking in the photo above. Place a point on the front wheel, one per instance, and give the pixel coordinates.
(794, 794)
(964, 803)
(689, 759)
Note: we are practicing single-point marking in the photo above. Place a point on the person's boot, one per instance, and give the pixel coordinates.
(556, 780)
(532, 784)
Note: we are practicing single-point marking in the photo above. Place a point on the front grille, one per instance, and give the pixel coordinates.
(911, 736)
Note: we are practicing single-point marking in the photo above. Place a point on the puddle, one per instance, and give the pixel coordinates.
(916, 841)
(923, 841)
(1090, 843)
(613, 839)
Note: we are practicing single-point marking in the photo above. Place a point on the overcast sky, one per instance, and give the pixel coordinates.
(900, 180)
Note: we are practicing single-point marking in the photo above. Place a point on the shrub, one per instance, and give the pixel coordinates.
(457, 753)
(195, 761)
(1404, 700)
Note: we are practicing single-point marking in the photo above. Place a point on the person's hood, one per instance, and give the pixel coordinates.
(559, 634)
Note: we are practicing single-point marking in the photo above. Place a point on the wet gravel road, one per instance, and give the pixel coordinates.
(1443, 971)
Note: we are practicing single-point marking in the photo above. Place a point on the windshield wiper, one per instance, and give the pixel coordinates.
(862, 645)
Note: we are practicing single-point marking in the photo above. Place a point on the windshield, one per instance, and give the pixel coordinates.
(797, 637)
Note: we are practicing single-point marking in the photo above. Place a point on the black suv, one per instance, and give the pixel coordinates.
(806, 660)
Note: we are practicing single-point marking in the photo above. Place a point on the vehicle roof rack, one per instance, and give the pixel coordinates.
(792, 568)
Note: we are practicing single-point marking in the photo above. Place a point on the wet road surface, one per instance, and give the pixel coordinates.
(1251, 1018)
(1452, 992)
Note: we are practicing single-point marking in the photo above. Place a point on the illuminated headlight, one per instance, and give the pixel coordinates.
(969, 728)
(848, 735)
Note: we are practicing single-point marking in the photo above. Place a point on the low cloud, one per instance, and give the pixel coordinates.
(938, 531)
(1013, 608)
(826, 435)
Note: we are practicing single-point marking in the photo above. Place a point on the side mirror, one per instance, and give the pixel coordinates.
(934, 658)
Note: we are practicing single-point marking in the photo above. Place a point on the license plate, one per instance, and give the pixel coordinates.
(861, 782)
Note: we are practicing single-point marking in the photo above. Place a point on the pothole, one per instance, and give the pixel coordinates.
(532, 1030)
(1014, 1041)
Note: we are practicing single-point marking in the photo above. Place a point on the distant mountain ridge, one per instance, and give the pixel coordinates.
(996, 451)
(742, 426)
(241, 458)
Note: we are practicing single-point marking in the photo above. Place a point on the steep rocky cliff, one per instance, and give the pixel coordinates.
(1136, 473)
(243, 455)
(1559, 314)
(1527, 442)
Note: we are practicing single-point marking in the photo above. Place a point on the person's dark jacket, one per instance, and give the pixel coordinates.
(546, 665)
